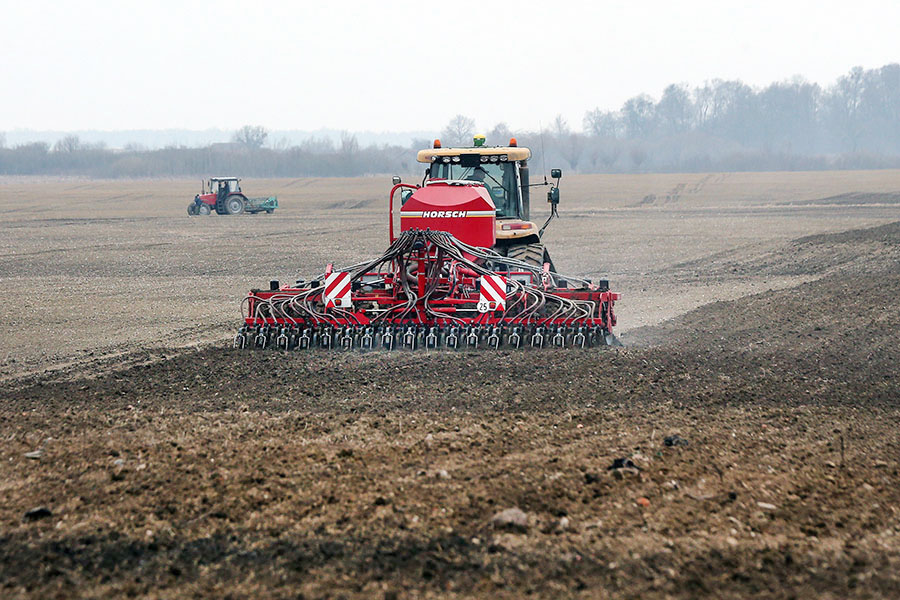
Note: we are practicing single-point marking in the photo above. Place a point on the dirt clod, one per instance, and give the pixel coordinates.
(623, 463)
(513, 519)
(41, 512)
(675, 440)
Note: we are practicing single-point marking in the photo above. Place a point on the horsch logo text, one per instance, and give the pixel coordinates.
(438, 214)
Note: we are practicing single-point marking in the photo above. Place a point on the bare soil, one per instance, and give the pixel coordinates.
(171, 466)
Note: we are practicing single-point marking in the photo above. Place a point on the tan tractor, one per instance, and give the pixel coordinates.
(504, 172)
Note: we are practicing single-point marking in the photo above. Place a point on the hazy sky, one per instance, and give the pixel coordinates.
(74, 65)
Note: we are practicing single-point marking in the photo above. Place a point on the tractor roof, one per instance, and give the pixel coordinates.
(224, 179)
(512, 152)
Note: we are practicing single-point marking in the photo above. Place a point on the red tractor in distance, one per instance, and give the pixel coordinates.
(224, 196)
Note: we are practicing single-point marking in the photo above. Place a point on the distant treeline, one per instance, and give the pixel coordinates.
(727, 125)
(720, 126)
(314, 158)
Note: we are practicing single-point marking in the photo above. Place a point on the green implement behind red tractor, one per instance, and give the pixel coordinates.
(223, 196)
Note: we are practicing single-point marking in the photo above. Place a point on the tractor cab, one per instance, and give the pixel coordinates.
(224, 186)
(503, 171)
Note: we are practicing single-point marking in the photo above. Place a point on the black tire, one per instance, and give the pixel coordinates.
(533, 254)
(269, 211)
(192, 209)
(234, 205)
(204, 210)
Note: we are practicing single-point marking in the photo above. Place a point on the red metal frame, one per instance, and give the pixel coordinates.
(391, 235)
(463, 306)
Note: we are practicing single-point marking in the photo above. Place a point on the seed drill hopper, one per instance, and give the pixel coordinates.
(467, 269)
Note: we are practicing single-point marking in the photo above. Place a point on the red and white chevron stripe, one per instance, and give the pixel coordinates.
(493, 291)
(337, 290)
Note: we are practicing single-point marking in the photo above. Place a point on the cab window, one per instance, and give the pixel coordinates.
(498, 178)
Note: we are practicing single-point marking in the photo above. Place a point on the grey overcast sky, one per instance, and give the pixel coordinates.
(400, 66)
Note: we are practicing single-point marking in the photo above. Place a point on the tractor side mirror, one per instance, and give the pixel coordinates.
(553, 196)
(395, 180)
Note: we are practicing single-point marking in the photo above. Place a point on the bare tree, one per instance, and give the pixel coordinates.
(675, 109)
(348, 154)
(2, 140)
(349, 143)
(252, 136)
(603, 123)
(845, 104)
(571, 147)
(67, 145)
(459, 131)
(703, 103)
(639, 115)
(787, 115)
(500, 134)
(560, 127)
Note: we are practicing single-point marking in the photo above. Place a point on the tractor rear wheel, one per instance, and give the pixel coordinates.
(533, 254)
(204, 210)
(234, 205)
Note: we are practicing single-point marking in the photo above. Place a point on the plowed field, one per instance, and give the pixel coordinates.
(143, 457)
